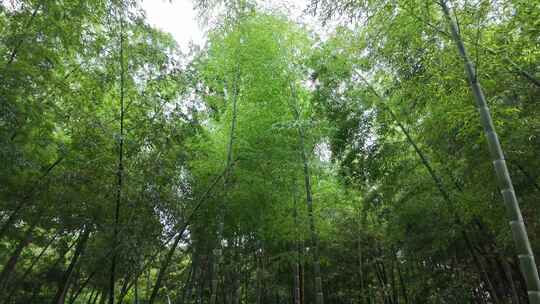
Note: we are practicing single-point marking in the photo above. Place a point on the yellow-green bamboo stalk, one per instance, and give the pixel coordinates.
(523, 246)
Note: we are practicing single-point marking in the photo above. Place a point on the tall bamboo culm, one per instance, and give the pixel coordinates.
(521, 239)
(319, 294)
(120, 170)
(221, 212)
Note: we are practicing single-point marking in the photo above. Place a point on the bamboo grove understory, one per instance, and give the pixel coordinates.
(366, 152)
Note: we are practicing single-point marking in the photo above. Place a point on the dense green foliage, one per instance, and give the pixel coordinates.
(274, 164)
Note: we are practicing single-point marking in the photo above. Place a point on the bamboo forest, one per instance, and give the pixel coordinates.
(360, 152)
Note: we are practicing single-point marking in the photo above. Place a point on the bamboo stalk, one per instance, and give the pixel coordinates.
(519, 232)
(221, 212)
(319, 295)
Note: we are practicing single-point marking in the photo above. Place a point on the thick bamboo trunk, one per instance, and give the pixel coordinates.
(519, 232)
